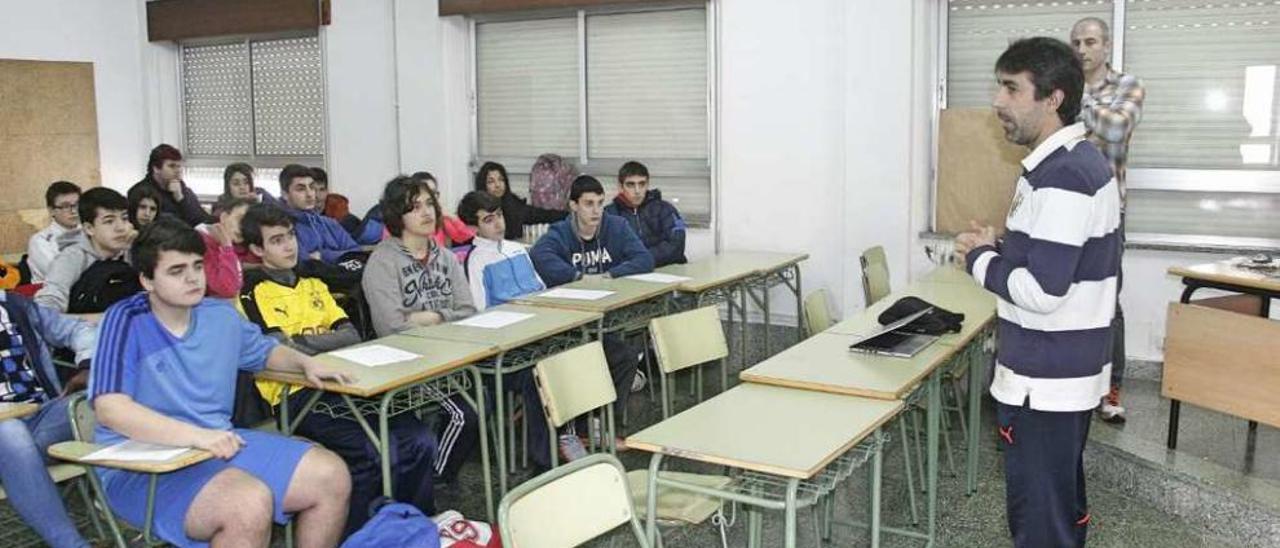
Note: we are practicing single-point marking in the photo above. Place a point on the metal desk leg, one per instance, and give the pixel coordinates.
(500, 429)
(931, 427)
(875, 482)
(790, 539)
(1175, 406)
(768, 321)
(742, 309)
(650, 519)
(800, 326)
(482, 413)
(977, 373)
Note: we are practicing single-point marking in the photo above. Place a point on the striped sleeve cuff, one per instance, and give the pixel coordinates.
(976, 262)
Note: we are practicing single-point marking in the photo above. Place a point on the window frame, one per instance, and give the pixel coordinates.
(1262, 181)
(258, 161)
(671, 167)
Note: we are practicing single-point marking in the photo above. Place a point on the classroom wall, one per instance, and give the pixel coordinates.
(107, 35)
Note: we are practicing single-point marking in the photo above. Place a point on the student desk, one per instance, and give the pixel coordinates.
(630, 307)
(16, 410)
(792, 446)
(823, 363)
(719, 278)
(1191, 352)
(772, 269)
(520, 346)
(444, 369)
(953, 290)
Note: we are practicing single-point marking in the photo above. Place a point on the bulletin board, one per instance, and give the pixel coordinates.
(48, 132)
(977, 170)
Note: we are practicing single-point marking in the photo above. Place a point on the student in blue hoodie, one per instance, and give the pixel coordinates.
(589, 244)
(319, 237)
(655, 221)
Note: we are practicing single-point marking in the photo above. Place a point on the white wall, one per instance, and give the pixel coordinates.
(110, 35)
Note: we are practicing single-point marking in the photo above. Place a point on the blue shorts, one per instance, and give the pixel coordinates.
(269, 457)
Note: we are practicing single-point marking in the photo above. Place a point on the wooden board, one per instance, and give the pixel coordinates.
(48, 132)
(1230, 272)
(977, 170)
(73, 451)
(823, 363)
(545, 322)
(1223, 361)
(16, 410)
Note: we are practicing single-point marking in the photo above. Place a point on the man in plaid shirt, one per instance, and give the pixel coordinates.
(1111, 109)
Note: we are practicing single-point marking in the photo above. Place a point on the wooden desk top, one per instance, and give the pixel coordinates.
(951, 273)
(1229, 272)
(74, 451)
(711, 272)
(764, 261)
(439, 357)
(978, 306)
(545, 322)
(824, 363)
(16, 410)
(780, 431)
(626, 292)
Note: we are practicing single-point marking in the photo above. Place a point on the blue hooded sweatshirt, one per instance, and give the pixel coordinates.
(319, 233)
(560, 256)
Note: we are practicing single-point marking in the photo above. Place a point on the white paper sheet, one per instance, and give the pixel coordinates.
(658, 277)
(374, 355)
(496, 319)
(136, 451)
(577, 294)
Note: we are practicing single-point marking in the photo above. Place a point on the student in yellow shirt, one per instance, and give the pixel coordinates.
(301, 313)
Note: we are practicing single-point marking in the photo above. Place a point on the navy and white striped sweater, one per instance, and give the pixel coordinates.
(1055, 274)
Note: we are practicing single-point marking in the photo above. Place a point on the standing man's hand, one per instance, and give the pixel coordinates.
(980, 235)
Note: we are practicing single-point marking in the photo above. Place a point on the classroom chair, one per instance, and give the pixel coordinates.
(573, 383)
(570, 505)
(688, 339)
(82, 424)
(875, 275)
(817, 312)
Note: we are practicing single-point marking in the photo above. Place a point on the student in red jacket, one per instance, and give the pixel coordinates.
(221, 263)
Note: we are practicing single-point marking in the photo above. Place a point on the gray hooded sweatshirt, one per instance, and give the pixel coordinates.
(75, 255)
(397, 285)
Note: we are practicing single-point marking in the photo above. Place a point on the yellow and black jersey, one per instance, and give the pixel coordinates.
(306, 308)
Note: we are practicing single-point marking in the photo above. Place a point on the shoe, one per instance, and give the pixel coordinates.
(639, 382)
(597, 434)
(571, 448)
(1111, 411)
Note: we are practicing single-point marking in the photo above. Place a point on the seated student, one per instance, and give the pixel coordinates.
(451, 232)
(301, 313)
(319, 237)
(333, 205)
(411, 281)
(590, 244)
(654, 220)
(61, 198)
(164, 173)
(492, 178)
(222, 270)
(499, 270)
(165, 373)
(102, 245)
(144, 205)
(26, 332)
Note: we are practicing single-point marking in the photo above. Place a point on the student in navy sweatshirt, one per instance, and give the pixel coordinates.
(589, 244)
(655, 221)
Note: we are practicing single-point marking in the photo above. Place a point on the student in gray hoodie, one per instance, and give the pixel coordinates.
(410, 281)
(105, 236)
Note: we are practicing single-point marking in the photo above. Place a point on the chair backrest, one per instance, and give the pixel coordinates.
(569, 505)
(817, 312)
(573, 382)
(875, 275)
(83, 420)
(688, 338)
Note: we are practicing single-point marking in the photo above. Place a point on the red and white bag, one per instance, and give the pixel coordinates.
(459, 532)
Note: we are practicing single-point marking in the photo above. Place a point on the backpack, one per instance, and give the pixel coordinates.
(395, 524)
(101, 285)
(549, 182)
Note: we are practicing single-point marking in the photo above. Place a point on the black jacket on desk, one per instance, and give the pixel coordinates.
(189, 209)
(657, 223)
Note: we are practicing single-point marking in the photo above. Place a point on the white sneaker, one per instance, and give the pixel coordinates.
(571, 448)
(639, 382)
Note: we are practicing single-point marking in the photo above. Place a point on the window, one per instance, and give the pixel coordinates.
(579, 86)
(1205, 159)
(254, 101)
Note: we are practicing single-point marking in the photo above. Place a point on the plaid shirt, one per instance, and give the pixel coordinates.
(1110, 112)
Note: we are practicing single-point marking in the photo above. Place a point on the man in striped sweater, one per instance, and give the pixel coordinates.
(1054, 272)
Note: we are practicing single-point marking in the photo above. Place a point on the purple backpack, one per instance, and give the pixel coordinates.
(549, 181)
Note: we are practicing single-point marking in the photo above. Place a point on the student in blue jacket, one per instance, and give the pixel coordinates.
(319, 237)
(589, 244)
(655, 221)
